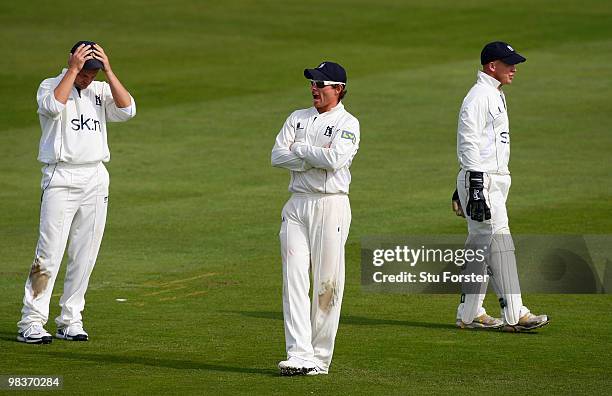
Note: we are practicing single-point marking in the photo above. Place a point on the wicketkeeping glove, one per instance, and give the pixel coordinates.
(456, 204)
(477, 207)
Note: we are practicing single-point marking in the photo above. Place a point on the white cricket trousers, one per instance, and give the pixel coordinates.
(73, 207)
(496, 188)
(313, 233)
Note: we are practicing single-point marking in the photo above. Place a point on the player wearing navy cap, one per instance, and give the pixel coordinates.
(483, 151)
(317, 145)
(73, 110)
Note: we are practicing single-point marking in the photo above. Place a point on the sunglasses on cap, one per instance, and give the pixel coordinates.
(323, 84)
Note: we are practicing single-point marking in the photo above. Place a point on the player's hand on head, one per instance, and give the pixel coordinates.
(99, 54)
(81, 55)
(477, 207)
(456, 204)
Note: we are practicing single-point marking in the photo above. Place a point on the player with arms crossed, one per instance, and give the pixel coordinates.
(73, 111)
(483, 150)
(317, 145)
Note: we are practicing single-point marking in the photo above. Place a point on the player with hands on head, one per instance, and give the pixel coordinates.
(317, 145)
(483, 151)
(73, 111)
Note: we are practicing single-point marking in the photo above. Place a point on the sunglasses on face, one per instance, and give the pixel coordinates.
(323, 84)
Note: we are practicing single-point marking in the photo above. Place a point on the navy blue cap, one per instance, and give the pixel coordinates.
(90, 64)
(326, 71)
(498, 50)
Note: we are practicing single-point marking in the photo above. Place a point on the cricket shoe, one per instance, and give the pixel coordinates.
(35, 334)
(73, 332)
(316, 371)
(296, 366)
(483, 321)
(527, 323)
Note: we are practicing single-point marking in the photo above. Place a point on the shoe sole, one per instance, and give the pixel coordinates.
(523, 329)
(477, 326)
(42, 340)
(78, 337)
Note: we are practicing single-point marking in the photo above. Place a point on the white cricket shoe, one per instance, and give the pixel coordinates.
(35, 334)
(74, 332)
(484, 322)
(316, 371)
(296, 366)
(527, 323)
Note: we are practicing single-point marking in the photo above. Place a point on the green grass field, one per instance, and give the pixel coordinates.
(191, 238)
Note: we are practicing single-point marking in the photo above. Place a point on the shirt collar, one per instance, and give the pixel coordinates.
(334, 109)
(485, 79)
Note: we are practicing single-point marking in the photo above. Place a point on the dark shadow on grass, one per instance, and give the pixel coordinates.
(108, 358)
(363, 321)
(353, 320)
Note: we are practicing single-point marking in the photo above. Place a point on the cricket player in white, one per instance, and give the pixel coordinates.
(73, 111)
(317, 145)
(483, 150)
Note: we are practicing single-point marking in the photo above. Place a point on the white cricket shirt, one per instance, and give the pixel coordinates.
(321, 163)
(483, 131)
(76, 132)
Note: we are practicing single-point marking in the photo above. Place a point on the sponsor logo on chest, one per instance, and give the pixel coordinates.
(82, 123)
